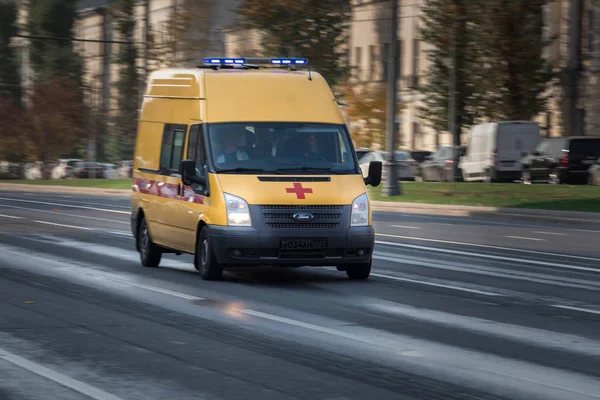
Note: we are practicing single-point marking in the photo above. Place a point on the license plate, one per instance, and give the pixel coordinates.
(303, 244)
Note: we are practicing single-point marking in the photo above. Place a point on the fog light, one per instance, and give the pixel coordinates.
(360, 252)
(236, 252)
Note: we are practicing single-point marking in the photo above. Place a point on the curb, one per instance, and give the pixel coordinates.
(573, 217)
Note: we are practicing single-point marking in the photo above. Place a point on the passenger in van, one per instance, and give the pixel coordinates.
(310, 146)
(230, 150)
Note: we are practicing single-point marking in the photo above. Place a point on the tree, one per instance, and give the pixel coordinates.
(49, 58)
(9, 75)
(518, 75)
(315, 29)
(186, 35)
(365, 107)
(128, 83)
(501, 72)
(436, 31)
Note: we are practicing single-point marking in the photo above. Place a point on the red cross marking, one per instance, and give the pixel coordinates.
(299, 190)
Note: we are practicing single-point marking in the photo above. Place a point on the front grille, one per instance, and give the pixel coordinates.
(280, 216)
(302, 226)
(269, 207)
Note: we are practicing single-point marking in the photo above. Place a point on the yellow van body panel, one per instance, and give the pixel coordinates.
(342, 189)
(257, 96)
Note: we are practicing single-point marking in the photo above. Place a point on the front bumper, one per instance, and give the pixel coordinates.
(241, 246)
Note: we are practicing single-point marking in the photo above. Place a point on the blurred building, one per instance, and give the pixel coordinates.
(204, 20)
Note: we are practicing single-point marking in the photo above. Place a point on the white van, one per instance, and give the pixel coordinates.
(495, 150)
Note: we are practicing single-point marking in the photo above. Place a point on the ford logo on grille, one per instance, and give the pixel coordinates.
(303, 217)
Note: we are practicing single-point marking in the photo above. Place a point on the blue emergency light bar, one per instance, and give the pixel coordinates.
(289, 61)
(226, 61)
(242, 61)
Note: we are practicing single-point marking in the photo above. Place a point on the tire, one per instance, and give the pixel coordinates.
(359, 271)
(205, 261)
(526, 177)
(150, 253)
(553, 178)
(487, 177)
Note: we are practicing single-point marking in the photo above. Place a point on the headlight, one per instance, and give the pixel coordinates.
(238, 212)
(360, 211)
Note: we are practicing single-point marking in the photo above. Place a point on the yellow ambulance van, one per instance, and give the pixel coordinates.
(247, 164)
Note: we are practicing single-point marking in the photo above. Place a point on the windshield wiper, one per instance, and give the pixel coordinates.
(309, 169)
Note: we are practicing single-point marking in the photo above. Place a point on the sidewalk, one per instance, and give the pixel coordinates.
(572, 217)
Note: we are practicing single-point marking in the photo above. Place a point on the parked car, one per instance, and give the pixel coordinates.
(405, 164)
(125, 169)
(495, 150)
(110, 170)
(84, 170)
(360, 152)
(594, 174)
(438, 167)
(419, 155)
(34, 170)
(561, 160)
(64, 169)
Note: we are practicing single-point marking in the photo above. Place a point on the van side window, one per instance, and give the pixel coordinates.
(172, 149)
(196, 146)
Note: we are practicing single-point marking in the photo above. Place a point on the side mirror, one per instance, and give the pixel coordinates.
(187, 170)
(536, 153)
(374, 177)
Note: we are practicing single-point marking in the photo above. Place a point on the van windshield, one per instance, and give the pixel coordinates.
(275, 147)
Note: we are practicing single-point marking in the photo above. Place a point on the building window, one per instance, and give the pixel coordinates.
(399, 48)
(385, 53)
(372, 62)
(591, 36)
(358, 60)
(416, 131)
(416, 59)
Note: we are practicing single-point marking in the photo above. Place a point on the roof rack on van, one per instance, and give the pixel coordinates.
(251, 63)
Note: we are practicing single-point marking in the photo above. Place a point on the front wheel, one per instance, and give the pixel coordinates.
(359, 271)
(150, 253)
(206, 262)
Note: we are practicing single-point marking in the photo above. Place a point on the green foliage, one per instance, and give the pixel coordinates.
(500, 70)
(128, 84)
(9, 74)
(50, 58)
(315, 29)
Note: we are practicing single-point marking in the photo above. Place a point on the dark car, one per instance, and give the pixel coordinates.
(360, 152)
(419, 155)
(84, 170)
(561, 160)
(438, 167)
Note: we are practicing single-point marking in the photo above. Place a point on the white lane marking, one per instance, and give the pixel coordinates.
(85, 203)
(485, 246)
(405, 226)
(10, 216)
(63, 214)
(491, 257)
(533, 336)
(586, 310)
(64, 225)
(488, 271)
(65, 205)
(121, 233)
(397, 278)
(550, 233)
(526, 238)
(78, 386)
(159, 290)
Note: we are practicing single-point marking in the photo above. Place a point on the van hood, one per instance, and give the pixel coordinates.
(294, 190)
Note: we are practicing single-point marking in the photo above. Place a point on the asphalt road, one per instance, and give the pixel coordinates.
(456, 308)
